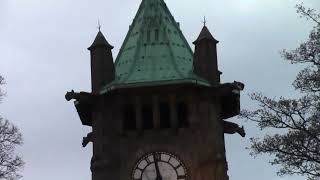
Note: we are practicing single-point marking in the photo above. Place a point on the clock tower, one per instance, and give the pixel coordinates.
(159, 111)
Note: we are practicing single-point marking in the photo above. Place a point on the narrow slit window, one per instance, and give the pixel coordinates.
(147, 116)
(164, 115)
(148, 36)
(129, 122)
(157, 34)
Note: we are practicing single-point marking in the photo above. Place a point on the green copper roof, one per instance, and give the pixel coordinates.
(154, 51)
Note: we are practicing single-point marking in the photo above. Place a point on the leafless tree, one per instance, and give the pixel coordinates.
(10, 137)
(1, 83)
(296, 148)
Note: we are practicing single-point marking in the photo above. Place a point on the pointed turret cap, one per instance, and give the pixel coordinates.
(205, 34)
(100, 41)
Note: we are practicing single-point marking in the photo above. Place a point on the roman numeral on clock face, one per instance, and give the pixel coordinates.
(157, 156)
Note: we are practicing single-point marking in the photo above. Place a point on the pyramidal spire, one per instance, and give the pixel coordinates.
(100, 41)
(205, 34)
(154, 50)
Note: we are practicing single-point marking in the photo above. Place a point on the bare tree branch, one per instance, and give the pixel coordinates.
(308, 13)
(10, 137)
(297, 148)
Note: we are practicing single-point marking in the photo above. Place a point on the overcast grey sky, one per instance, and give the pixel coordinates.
(43, 54)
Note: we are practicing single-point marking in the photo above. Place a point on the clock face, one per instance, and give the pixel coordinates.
(159, 166)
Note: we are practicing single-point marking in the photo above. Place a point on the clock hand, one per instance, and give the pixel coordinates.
(146, 174)
(159, 177)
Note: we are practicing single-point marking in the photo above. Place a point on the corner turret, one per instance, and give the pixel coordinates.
(102, 66)
(205, 57)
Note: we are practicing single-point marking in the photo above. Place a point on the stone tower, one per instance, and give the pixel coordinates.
(158, 112)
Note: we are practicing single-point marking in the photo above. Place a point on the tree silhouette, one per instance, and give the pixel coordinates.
(297, 147)
(10, 137)
(1, 83)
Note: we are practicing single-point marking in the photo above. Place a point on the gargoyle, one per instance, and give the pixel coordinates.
(239, 85)
(232, 128)
(81, 97)
(235, 88)
(87, 139)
